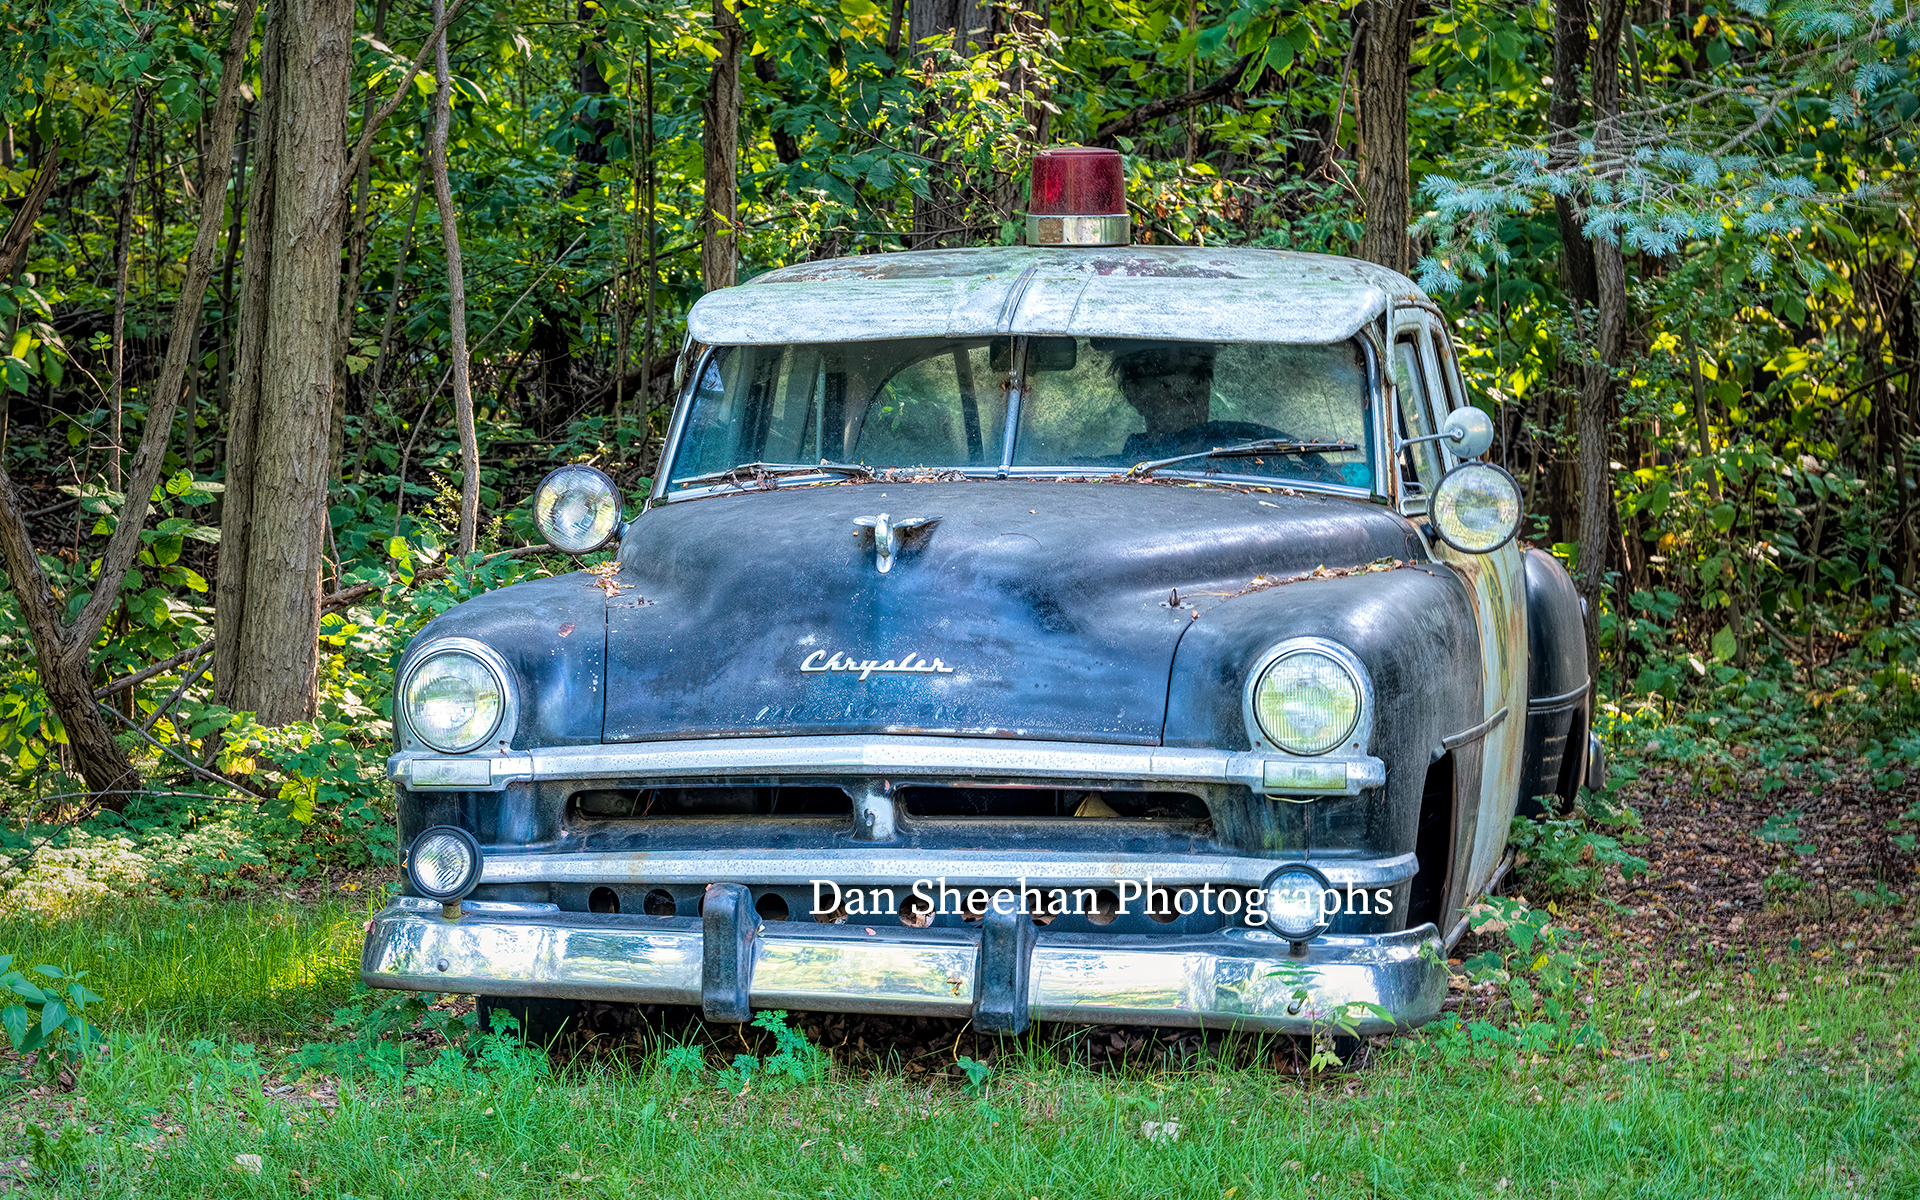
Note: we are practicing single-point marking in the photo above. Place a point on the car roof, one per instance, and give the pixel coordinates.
(1186, 293)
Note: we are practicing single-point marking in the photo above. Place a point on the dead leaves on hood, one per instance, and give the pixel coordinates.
(1261, 583)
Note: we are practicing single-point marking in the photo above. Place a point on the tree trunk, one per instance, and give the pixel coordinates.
(931, 18)
(456, 294)
(719, 248)
(250, 334)
(1563, 134)
(63, 650)
(1385, 181)
(1594, 412)
(268, 612)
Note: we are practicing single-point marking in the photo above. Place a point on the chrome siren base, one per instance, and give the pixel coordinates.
(1003, 974)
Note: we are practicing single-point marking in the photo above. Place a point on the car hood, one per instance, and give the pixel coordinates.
(1027, 610)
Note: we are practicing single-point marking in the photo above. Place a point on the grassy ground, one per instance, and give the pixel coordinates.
(1753, 1041)
(1791, 1079)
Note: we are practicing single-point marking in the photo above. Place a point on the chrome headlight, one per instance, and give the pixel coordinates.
(444, 863)
(1307, 702)
(1476, 508)
(577, 508)
(453, 699)
(1300, 903)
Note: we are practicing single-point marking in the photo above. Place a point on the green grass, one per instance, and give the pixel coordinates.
(1795, 1081)
(238, 967)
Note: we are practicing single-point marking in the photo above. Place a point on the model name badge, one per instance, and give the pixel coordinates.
(908, 664)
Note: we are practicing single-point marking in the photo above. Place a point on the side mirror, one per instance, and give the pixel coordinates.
(1467, 431)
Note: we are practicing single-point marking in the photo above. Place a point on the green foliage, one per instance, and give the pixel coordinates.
(47, 1017)
(794, 1061)
(386, 1036)
(1569, 856)
(976, 1073)
(1539, 968)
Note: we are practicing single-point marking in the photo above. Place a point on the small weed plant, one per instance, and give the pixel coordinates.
(383, 1034)
(1538, 969)
(794, 1061)
(48, 1017)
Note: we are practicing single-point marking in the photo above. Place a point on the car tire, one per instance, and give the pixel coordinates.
(541, 1021)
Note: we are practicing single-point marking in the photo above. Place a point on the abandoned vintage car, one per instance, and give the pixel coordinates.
(1078, 631)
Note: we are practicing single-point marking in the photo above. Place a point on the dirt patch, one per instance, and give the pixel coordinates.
(1841, 888)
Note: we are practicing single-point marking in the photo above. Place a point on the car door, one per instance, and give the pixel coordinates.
(1497, 582)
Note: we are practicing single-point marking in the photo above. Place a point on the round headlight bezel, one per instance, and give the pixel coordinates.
(1459, 477)
(550, 486)
(1317, 885)
(506, 715)
(467, 842)
(1357, 734)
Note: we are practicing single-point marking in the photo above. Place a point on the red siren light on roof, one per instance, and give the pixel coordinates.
(1079, 198)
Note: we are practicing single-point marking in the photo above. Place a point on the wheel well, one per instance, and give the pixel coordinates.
(1433, 844)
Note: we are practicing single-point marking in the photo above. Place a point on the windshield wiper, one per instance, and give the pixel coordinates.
(759, 471)
(1245, 450)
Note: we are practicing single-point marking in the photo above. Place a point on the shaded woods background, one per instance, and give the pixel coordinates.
(299, 302)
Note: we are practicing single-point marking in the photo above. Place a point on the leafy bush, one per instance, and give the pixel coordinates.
(1568, 857)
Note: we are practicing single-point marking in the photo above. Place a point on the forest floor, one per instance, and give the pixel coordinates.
(1757, 1041)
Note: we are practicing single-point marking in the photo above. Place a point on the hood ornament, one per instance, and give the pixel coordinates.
(888, 534)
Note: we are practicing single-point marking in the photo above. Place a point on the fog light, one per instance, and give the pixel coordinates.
(444, 864)
(1300, 903)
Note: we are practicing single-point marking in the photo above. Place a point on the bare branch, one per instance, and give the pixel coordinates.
(145, 673)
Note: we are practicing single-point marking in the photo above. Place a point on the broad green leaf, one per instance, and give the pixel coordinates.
(15, 1019)
(1725, 645)
(1279, 53)
(51, 1014)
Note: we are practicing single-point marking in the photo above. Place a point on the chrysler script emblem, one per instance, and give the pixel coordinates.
(907, 664)
(889, 533)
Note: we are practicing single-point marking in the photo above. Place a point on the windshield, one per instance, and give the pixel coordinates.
(1087, 404)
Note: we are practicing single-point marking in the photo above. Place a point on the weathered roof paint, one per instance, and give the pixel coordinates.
(1126, 291)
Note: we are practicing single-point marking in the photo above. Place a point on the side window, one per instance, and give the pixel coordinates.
(1419, 465)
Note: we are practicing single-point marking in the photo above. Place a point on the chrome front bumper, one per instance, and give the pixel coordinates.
(1003, 974)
